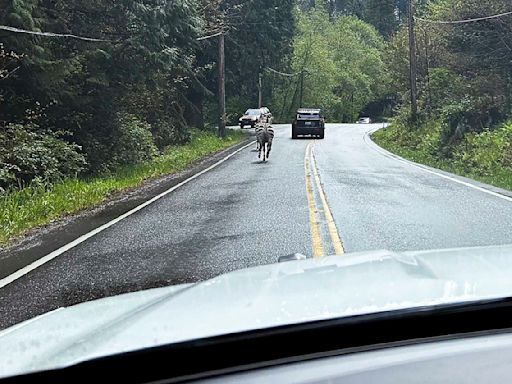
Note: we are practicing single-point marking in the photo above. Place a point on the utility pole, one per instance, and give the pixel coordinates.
(413, 65)
(427, 66)
(301, 88)
(222, 88)
(260, 91)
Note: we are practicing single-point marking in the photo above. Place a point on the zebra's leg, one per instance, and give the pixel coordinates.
(259, 149)
(269, 148)
(264, 151)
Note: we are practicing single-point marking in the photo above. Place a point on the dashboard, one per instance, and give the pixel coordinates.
(484, 359)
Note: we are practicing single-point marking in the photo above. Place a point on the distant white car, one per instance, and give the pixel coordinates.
(364, 120)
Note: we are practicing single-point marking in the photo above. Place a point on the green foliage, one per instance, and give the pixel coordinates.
(108, 108)
(152, 68)
(343, 64)
(445, 86)
(166, 133)
(486, 151)
(34, 206)
(260, 35)
(133, 143)
(485, 156)
(464, 68)
(29, 155)
(82, 87)
(465, 91)
(384, 15)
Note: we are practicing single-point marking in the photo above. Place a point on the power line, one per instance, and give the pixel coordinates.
(210, 36)
(285, 74)
(464, 21)
(273, 23)
(50, 34)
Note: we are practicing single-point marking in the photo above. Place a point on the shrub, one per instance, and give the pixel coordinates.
(133, 141)
(166, 133)
(444, 87)
(486, 151)
(28, 154)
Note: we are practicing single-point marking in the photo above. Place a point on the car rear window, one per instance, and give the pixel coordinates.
(308, 116)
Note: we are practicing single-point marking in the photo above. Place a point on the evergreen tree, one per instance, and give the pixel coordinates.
(382, 14)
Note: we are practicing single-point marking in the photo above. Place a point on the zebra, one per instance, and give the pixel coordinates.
(260, 122)
(264, 138)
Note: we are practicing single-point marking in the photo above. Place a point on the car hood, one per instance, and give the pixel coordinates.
(249, 117)
(256, 298)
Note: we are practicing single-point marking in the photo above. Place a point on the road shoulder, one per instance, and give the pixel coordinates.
(41, 241)
(499, 192)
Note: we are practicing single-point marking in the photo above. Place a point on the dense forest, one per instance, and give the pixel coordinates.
(144, 72)
(338, 65)
(73, 107)
(464, 89)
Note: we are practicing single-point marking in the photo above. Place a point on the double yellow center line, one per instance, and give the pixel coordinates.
(311, 173)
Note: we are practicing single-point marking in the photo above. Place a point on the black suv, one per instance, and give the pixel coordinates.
(308, 121)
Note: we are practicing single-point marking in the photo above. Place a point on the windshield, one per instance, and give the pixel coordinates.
(127, 165)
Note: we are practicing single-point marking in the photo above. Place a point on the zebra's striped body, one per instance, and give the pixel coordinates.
(264, 137)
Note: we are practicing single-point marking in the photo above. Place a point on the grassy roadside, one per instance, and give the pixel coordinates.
(37, 206)
(478, 159)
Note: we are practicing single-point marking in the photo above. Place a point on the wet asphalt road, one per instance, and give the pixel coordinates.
(244, 213)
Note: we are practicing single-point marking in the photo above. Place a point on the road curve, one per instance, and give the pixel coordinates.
(245, 213)
(381, 203)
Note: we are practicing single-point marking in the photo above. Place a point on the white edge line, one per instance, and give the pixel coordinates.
(36, 264)
(386, 153)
